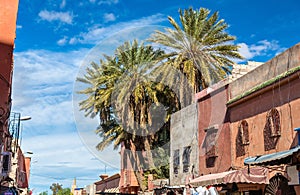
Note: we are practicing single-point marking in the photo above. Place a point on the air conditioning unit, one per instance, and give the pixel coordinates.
(293, 175)
(6, 163)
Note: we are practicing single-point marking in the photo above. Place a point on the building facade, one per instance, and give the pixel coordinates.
(264, 109)
(108, 185)
(8, 15)
(128, 181)
(183, 147)
(213, 130)
(247, 125)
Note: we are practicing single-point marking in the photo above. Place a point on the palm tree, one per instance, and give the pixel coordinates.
(124, 96)
(200, 47)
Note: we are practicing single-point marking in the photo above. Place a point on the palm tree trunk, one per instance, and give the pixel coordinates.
(149, 153)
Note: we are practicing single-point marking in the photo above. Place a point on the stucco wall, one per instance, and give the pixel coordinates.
(8, 17)
(183, 134)
(212, 113)
(285, 97)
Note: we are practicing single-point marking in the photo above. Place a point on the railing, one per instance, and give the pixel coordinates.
(14, 130)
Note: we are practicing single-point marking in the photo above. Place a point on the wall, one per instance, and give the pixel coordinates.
(128, 181)
(283, 95)
(108, 183)
(279, 64)
(90, 189)
(214, 132)
(8, 15)
(8, 18)
(183, 133)
(286, 100)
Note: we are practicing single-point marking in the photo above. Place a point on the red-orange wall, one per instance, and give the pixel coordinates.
(285, 98)
(8, 17)
(22, 176)
(212, 111)
(27, 167)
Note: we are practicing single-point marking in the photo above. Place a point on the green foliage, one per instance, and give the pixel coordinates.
(64, 191)
(121, 93)
(57, 189)
(124, 97)
(44, 193)
(200, 47)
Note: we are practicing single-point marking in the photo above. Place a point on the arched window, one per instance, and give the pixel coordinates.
(244, 131)
(242, 138)
(272, 129)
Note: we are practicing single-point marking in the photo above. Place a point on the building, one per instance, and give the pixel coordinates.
(213, 129)
(264, 109)
(183, 147)
(79, 191)
(247, 128)
(128, 181)
(108, 185)
(18, 173)
(246, 117)
(90, 189)
(8, 15)
(203, 128)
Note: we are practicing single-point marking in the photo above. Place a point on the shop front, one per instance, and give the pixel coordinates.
(243, 181)
(283, 170)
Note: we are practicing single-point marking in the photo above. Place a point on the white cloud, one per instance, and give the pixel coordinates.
(43, 84)
(56, 152)
(261, 48)
(65, 17)
(19, 26)
(245, 51)
(109, 17)
(96, 33)
(43, 88)
(62, 41)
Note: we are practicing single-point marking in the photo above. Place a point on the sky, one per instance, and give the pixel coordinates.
(57, 39)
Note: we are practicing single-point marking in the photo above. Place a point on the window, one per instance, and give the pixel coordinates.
(242, 138)
(176, 161)
(272, 130)
(243, 129)
(210, 146)
(273, 121)
(210, 142)
(186, 158)
(6, 159)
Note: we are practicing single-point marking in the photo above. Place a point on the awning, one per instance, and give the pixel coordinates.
(257, 175)
(272, 159)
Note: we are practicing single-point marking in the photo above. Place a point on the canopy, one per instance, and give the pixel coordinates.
(258, 175)
(273, 158)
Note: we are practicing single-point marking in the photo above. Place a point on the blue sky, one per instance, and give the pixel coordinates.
(55, 39)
